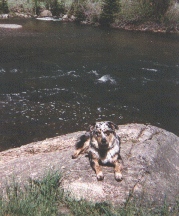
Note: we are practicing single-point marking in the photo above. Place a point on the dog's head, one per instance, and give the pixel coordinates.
(103, 134)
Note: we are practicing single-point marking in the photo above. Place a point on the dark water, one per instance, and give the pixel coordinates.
(57, 78)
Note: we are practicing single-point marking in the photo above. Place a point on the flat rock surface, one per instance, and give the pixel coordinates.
(150, 166)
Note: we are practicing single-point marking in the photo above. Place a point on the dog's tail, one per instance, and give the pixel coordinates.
(81, 145)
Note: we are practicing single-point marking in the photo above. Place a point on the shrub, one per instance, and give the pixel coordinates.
(78, 9)
(145, 9)
(57, 8)
(155, 9)
(172, 16)
(142, 10)
(160, 7)
(92, 11)
(4, 7)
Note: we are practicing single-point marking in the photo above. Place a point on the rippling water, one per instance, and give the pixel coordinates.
(58, 77)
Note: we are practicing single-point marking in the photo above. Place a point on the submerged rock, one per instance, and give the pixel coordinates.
(150, 166)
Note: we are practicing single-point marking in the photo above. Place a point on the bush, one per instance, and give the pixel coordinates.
(110, 8)
(172, 16)
(80, 13)
(93, 11)
(160, 7)
(145, 9)
(78, 9)
(4, 7)
(57, 8)
(154, 9)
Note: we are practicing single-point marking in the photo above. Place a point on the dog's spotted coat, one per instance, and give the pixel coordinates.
(102, 145)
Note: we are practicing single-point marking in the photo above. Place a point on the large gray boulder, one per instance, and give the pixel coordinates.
(150, 166)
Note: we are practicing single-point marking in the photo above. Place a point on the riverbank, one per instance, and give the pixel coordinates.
(133, 15)
(143, 27)
(146, 27)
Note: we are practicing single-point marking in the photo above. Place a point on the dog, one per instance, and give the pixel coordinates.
(103, 147)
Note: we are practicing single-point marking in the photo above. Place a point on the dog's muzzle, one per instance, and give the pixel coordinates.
(104, 143)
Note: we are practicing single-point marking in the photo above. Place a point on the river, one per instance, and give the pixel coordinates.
(58, 77)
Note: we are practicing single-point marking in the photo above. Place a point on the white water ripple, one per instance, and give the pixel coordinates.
(150, 69)
(107, 78)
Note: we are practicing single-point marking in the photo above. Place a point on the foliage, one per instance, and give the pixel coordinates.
(78, 9)
(110, 9)
(154, 9)
(83, 208)
(93, 11)
(103, 11)
(172, 16)
(57, 8)
(88, 10)
(79, 13)
(4, 7)
(145, 8)
(37, 198)
(160, 7)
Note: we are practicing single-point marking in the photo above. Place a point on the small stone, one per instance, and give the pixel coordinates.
(65, 17)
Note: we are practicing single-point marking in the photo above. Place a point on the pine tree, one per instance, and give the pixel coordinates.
(4, 7)
(110, 9)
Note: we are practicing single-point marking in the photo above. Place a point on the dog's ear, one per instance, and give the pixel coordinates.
(112, 125)
(91, 127)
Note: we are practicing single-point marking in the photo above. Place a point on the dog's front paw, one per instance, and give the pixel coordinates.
(100, 176)
(75, 155)
(118, 176)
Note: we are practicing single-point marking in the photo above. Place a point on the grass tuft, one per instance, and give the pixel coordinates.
(83, 208)
(39, 197)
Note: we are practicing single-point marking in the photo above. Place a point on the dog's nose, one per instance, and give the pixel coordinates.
(103, 140)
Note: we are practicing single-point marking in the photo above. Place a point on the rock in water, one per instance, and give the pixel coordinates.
(65, 17)
(46, 13)
(150, 166)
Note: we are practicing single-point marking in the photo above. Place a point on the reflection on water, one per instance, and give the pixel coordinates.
(59, 77)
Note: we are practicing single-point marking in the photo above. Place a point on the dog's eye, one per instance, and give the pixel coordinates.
(97, 133)
(107, 133)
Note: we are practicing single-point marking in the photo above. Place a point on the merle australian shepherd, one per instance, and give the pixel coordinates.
(103, 147)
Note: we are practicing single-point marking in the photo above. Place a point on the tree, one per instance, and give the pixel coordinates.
(110, 9)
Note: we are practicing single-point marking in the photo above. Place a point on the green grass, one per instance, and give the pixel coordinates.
(44, 197)
(37, 198)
